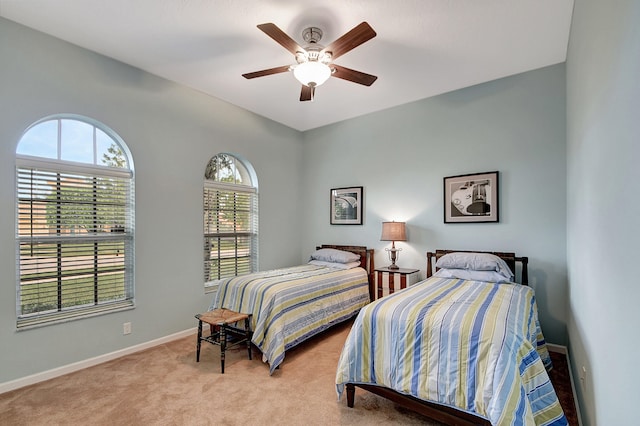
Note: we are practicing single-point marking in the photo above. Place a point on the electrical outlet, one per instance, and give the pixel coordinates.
(583, 377)
(126, 328)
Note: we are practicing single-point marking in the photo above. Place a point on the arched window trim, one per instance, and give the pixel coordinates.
(88, 120)
(78, 270)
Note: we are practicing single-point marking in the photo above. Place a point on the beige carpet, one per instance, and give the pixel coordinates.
(165, 386)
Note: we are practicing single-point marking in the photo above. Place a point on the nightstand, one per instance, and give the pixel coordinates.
(391, 273)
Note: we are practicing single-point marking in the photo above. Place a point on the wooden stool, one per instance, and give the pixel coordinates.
(221, 319)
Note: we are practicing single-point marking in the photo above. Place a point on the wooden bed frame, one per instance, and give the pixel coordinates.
(366, 262)
(442, 413)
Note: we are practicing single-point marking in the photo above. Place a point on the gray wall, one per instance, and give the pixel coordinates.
(172, 132)
(515, 125)
(603, 207)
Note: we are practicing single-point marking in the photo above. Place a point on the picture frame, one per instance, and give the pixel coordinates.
(346, 205)
(471, 198)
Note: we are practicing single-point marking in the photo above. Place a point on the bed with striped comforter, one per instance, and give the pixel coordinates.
(290, 305)
(472, 345)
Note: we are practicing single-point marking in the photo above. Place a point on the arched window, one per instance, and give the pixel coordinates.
(75, 221)
(230, 218)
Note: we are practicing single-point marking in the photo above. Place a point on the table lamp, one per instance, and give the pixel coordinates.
(393, 231)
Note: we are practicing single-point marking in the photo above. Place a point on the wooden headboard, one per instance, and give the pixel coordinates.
(366, 261)
(509, 258)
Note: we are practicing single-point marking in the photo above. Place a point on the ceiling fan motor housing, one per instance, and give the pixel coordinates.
(313, 52)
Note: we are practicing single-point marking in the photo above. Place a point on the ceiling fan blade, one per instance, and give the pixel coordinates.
(352, 39)
(280, 37)
(269, 71)
(353, 75)
(306, 94)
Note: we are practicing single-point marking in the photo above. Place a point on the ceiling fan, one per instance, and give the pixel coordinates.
(314, 63)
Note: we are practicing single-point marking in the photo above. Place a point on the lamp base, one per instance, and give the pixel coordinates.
(393, 255)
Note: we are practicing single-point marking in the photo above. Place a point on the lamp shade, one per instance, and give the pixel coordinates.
(393, 231)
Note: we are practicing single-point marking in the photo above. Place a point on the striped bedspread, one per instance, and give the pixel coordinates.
(290, 305)
(472, 345)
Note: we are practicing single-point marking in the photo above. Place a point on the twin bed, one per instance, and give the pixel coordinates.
(463, 346)
(290, 305)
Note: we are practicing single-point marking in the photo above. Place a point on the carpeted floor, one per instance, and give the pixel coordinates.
(165, 386)
(561, 380)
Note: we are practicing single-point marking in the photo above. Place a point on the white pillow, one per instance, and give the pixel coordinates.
(475, 262)
(468, 274)
(335, 265)
(334, 255)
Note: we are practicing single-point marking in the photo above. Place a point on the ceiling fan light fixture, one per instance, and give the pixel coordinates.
(312, 73)
(314, 62)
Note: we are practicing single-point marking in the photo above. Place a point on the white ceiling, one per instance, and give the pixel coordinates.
(422, 48)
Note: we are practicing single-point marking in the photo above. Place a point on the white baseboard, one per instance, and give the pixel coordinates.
(70, 368)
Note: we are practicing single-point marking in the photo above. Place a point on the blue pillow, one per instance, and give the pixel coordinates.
(334, 256)
(335, 265)
(469, 274)
(475, 262)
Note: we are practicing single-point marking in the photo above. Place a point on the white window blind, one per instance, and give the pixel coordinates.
(75, 240)
(230, 230)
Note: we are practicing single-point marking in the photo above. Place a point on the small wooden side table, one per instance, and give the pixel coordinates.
(403, 272)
